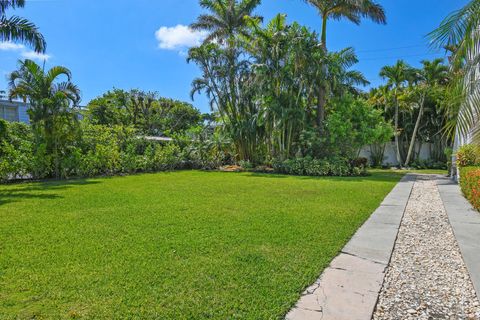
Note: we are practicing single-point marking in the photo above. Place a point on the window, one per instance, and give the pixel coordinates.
(9, 113)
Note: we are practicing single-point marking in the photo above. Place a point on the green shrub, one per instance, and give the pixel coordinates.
(468, 155)
(352, 124)
(166, 157)
(428, 164)
(318, 167)
(16, 150)
(470, 184)
(42, 163)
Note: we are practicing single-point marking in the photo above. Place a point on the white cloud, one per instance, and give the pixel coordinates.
(28, 54)
(10, 46)
(178, 37)
(35, 56)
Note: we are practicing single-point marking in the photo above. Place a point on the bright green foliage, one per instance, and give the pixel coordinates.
(468, 155)
(98, 150)
(264, 84)
(145, 111)
(53, 100)
(470, 184)
(178, 245)
(314, 167)
(414, 99)
(353, 124)
(205, 149)
(16, 150)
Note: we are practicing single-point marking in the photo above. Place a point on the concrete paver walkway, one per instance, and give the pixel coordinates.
(465, 222)
(350, 287)
(426, 278)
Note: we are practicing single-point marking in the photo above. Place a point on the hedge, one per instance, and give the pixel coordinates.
(470, 184)
(322, 167)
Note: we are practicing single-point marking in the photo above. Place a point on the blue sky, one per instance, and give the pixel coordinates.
(113, 43)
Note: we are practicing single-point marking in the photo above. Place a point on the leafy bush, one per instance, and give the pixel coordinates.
(16, 150)
(245, 164)
(352, 124)
(320, 167)
(99, 150)
(428, 164)
(470, 184)
(468, 155)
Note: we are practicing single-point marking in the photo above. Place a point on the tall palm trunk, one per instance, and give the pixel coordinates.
(322, 90)
(321, 101)
(415, 130)
(397, 142)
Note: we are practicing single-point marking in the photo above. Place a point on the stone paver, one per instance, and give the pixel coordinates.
(465, 222)
(349, 287)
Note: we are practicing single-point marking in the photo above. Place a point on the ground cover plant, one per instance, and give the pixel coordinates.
(182, 245)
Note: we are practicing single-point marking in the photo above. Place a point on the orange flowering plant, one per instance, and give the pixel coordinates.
(470, 184)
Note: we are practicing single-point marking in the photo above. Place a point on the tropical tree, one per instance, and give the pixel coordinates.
(146, 111)
(352, 10)
(18, 29)
(53, 99)
(397, 77)
(225, 76)
(432, 74)
(282, 72)
(262, 82)
(460, 34)
(226, 20)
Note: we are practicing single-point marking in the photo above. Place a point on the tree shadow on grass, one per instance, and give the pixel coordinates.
(39, 190)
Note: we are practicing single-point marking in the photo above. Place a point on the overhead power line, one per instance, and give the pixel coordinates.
(398, 57)
(393, 48)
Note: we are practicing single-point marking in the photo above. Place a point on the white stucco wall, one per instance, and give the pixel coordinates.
(390, 153)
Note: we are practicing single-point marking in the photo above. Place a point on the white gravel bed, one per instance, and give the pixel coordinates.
(426, 278)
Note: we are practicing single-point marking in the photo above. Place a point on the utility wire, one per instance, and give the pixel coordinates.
(394, 48)
(398, 57)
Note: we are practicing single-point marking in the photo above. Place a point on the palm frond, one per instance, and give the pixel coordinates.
(18, 29)
(13, 4)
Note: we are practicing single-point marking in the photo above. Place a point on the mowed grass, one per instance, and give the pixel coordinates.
(180, 245)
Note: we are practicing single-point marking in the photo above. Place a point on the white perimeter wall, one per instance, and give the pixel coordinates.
(390, 153)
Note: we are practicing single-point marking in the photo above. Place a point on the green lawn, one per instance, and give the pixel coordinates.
(181, 245)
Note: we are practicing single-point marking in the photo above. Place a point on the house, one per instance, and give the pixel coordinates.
(17, 111)
(14, 111)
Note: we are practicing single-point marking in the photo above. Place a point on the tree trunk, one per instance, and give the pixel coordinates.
(415, 130)
(324, 31)
(397, 142)
(322, 91)
(321, 106)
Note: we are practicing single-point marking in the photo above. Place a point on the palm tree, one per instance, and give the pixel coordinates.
(353, 10)
(460, 32)
(433, 73)
(397, 76)
(18, 29)
(227, 19)
(52, 102)
(224, 68)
